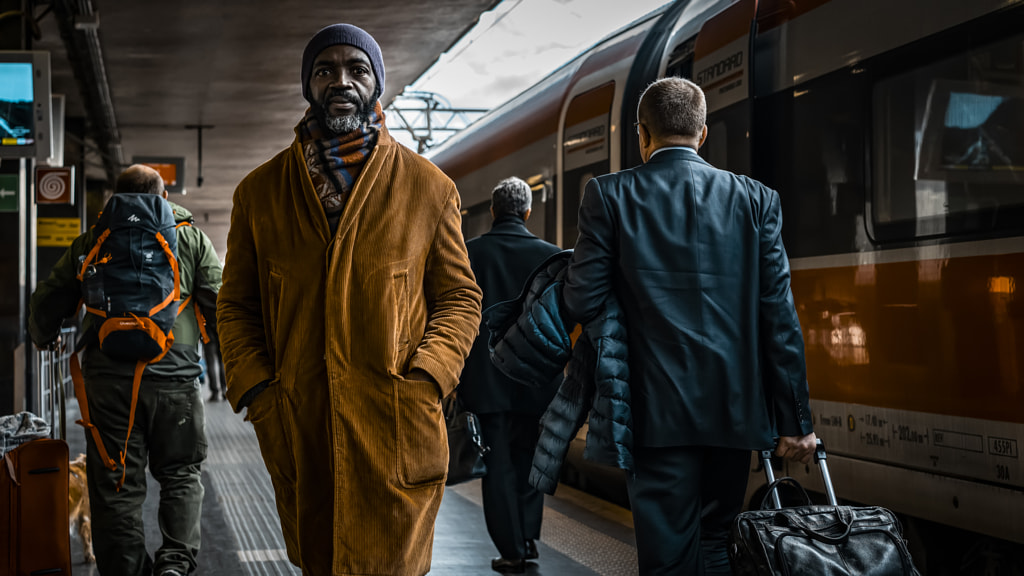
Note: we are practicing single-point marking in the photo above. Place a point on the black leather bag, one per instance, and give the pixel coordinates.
(466, 448)
(818, 540)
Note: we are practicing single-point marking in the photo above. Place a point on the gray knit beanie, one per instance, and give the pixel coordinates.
(342, 34)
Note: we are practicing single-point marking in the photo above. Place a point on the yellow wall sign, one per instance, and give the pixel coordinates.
(57, 232)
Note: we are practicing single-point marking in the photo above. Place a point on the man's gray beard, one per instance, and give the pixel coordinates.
(344, 124)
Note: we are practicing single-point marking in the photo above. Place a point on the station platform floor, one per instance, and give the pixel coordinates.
(581, 535)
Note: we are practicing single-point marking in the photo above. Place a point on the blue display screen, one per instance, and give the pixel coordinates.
(16, 104)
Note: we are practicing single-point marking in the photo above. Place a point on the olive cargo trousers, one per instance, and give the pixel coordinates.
(169, 432)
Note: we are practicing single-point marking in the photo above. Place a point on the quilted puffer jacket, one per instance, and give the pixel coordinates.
(530, 343)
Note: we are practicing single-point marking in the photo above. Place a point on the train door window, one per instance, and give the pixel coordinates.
(680, 61)
(541, 188)
(585, 151)
(728, 142)
(476, 219)
(809, 144)
(948, 157)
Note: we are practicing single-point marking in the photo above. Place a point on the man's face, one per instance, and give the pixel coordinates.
(342, 86)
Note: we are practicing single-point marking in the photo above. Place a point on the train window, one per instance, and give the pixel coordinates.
(809, 144)
(680, 62)
(948, 158)
(728, 142)
(585, 151)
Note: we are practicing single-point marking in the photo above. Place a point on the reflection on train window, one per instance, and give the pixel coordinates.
(680, 61)
(727, 145)
(948, 155)
(715, 147)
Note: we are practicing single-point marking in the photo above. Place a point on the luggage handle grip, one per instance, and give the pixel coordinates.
(820, 457)
(44, 470)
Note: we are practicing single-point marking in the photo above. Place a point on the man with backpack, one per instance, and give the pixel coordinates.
(142, 269)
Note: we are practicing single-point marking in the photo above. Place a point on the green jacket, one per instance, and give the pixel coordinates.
(57, 297)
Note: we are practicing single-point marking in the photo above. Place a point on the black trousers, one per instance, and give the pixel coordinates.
(214, 368)
(512, 508)
(684, 500)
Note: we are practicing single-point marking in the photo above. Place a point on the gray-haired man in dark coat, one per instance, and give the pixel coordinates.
(502, 260)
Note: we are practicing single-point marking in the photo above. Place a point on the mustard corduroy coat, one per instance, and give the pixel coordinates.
(357, 453)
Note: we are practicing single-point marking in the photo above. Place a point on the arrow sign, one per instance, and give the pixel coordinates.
(8, 192)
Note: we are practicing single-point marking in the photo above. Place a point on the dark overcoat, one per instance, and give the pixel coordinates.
(502, 260)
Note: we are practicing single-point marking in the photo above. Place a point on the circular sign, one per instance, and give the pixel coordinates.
(52, 186)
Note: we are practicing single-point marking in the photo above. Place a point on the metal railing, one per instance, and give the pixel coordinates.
(54, 386)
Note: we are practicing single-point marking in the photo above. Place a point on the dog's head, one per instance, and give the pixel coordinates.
(77, 468)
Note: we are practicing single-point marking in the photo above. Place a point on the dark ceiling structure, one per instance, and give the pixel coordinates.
(171, 79)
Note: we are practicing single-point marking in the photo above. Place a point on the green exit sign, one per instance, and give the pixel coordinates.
(8, 192)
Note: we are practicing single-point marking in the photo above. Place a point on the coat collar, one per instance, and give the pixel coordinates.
(676, 155)
(509, 226)
(380, 154)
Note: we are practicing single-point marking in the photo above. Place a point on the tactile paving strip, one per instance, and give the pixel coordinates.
(243, 486)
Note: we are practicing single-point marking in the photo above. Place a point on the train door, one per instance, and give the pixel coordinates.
(720, 64)
(585, 152)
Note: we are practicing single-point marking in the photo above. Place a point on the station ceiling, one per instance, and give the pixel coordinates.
(234, 65)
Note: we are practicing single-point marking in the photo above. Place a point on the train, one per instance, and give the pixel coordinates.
(892, 130)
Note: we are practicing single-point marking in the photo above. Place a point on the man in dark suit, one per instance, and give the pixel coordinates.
(716, 356)
(502, 260)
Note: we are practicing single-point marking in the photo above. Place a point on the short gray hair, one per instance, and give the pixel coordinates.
(511, 197)
(673, 107)
(139, 179)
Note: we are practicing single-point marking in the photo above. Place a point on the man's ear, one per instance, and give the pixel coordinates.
(527, 215)
(645, 141)
(164, 194)
(703, 136)
(644, 134)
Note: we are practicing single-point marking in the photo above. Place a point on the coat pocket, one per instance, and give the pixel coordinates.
(272, 315)
(421, 441)
(270, 422)
(400, 311)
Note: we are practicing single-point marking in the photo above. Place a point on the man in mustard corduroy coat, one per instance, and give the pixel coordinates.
(347, 311)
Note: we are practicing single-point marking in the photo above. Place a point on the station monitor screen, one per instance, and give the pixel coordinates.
(25, 106)
(171, 169)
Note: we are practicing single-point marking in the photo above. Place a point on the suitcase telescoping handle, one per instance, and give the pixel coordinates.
(820, 456)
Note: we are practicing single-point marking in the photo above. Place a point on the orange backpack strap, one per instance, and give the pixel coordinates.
(184, 304)
(176, 293)
(83, 407)
(93, 253)
(182, 223)
(136, 384)
(200, 319)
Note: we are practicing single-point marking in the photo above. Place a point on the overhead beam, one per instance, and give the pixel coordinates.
(79, 24)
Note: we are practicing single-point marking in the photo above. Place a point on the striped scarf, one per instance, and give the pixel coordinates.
(335, 163)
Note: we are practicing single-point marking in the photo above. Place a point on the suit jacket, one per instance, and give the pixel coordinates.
(695, 255)
(502, 260)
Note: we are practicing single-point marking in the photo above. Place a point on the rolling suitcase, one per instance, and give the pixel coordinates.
(814, 540)
(35, 536)
(34, 529)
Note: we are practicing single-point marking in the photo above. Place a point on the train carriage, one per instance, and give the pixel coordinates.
(892, 131)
